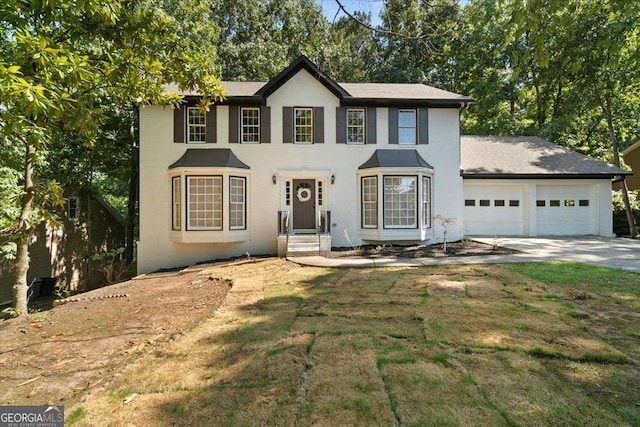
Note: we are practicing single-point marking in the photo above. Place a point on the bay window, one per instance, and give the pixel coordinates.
(237, 203)
(370, 202)
(400, 201)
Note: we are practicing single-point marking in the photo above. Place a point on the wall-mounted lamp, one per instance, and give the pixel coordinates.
(333, 179)
(274, 178)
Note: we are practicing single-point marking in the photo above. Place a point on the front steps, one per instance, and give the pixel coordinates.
(303, 245)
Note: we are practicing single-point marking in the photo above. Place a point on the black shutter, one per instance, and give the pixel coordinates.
(423, 126)
(371, 126)
(393, 125)
(234, 111)
(287, 125)
(211, 124)
(318, 125)
(341, 125)
(178, 124)
(265, 125)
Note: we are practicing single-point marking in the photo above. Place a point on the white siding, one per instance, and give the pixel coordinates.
(286, 161)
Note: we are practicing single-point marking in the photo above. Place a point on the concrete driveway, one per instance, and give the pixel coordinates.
(608, 252)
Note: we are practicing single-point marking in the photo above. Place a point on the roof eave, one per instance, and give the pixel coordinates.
(472, 175)
(406, 102)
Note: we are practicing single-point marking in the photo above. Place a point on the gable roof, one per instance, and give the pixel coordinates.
(209, 158)
(395, 159)
(301, 63)
(406, 94)
(527, 157)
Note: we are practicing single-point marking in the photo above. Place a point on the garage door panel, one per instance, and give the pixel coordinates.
(565, 210)
(493, 210)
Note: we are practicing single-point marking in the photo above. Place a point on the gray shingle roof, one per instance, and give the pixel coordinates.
(209, 158)
(231, 89)
(395, 159)
(527, 156)
(400, 91)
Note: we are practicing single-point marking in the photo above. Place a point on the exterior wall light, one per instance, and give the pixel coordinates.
(333, 179)
(274, 178)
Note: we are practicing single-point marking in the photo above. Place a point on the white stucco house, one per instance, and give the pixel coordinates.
(304, 163)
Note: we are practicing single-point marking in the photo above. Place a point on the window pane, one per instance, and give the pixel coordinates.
(400, 201)
(196, 125)
(205, 206)
(407, 127)
(237, 203)
(177, 203)
(426, 202)
(370, 202)
(250, 125)
(355, 126)
(303, 132)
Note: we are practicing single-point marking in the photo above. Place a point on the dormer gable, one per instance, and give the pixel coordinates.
(301, 63)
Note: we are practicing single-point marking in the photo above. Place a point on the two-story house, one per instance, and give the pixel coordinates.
(303, 160)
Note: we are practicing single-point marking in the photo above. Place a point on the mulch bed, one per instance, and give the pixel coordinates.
(454, 249)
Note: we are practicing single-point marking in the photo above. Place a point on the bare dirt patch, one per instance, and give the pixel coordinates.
(454, 249)
(55, 355)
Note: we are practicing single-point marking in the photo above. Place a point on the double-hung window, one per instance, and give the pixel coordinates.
(176, 202)
(204, 198)
(196, 126)
(400, 201)
(303, 126)
(407, 127)
(355, 125)
(250, 125)
(237, 203)
(370, 202)
(426, 202)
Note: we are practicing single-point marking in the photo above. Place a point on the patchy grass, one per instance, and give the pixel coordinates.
(457, 345)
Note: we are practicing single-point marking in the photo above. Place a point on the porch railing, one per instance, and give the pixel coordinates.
(324, 222)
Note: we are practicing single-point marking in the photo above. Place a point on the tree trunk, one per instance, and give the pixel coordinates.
(21, 266)
(133, 196)
(633, 229)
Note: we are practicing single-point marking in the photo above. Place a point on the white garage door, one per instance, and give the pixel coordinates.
(493, 210)
(565, 210)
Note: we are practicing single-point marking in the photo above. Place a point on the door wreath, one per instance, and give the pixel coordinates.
(303, 192)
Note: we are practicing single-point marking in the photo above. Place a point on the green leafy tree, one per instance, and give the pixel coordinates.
(61, 62)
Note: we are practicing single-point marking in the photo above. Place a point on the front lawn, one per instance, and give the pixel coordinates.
(526, 344)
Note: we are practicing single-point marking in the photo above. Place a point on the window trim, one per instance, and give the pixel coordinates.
(75, 209)
(176, 203)
(416, 219)
(189, 227)
(243, 126)
(414, 127)
(363, 203)
(243, 203)
(202, 125)
(363, 126)
(310, 126)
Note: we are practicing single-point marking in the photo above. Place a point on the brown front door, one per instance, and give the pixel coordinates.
(304, 205)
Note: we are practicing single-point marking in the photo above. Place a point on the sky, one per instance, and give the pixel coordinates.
(330, 7)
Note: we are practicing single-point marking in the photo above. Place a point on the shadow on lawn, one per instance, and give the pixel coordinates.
(393, 346)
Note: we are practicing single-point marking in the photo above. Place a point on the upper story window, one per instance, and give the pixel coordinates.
(407, 127)
(250, 125)
(72, 208)
(196, 126)
(303, 126)
(355, 125)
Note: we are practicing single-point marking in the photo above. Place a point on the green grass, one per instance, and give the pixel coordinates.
(76, 416)
(524, 344)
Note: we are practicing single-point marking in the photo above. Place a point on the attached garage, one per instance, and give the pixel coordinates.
(565, 210)
(526, 186)
(493, 210)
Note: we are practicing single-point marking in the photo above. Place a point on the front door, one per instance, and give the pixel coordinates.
(304, 205)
